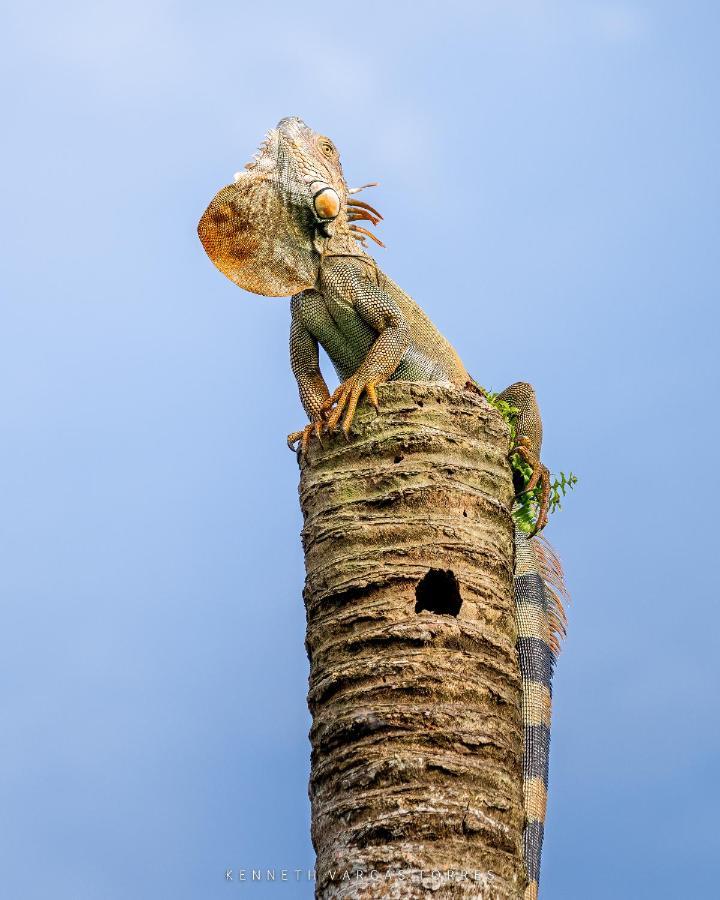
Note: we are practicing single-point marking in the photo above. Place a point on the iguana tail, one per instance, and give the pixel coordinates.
(539, 592)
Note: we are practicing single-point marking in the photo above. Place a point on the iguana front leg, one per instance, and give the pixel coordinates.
(528, 443)
(305, 364)
(352, 291)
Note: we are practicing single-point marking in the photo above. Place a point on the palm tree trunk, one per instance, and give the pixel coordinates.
(414, 687)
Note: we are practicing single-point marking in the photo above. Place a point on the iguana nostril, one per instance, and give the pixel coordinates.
(326, 203)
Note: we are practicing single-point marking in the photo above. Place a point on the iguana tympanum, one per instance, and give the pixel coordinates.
(287, 226)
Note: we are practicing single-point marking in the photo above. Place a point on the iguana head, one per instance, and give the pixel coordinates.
(268, 230)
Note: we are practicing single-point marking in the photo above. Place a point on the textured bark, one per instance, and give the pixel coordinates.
(416, 735)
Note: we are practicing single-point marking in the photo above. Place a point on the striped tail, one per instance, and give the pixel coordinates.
(539, 592)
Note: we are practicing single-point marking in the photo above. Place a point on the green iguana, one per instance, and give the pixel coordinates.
(287, 226)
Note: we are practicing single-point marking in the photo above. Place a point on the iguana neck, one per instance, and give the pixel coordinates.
(342, 242)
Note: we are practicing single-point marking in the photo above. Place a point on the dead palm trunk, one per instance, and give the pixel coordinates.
(414, 685)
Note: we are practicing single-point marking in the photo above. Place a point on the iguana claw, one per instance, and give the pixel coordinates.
(304, 436)
(540, 475)
(345, 399)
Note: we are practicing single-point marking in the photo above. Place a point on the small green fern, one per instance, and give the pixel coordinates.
(506, 410)
(559, 487)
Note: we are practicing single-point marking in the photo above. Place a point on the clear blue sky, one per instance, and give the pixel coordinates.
(550, 185)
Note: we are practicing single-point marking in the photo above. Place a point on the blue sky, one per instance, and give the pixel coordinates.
(549, 182)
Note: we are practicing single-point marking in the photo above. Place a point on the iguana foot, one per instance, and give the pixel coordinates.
(540, 475)
(345, 399)
(304, 436)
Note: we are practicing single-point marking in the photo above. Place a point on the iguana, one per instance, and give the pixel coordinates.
(287, 226)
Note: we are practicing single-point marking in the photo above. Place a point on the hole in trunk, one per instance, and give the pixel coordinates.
(438, 592)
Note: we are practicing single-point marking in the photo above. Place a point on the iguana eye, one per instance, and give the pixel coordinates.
(326, 147)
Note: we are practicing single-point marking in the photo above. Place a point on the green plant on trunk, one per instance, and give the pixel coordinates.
(525, 512)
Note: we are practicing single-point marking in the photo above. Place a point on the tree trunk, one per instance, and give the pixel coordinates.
(414, 686)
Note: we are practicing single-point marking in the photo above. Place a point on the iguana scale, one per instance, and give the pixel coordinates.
(287, 226)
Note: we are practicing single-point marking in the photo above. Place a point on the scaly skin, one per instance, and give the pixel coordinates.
(288, 226)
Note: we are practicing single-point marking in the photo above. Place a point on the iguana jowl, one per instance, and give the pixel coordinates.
(288, 226)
